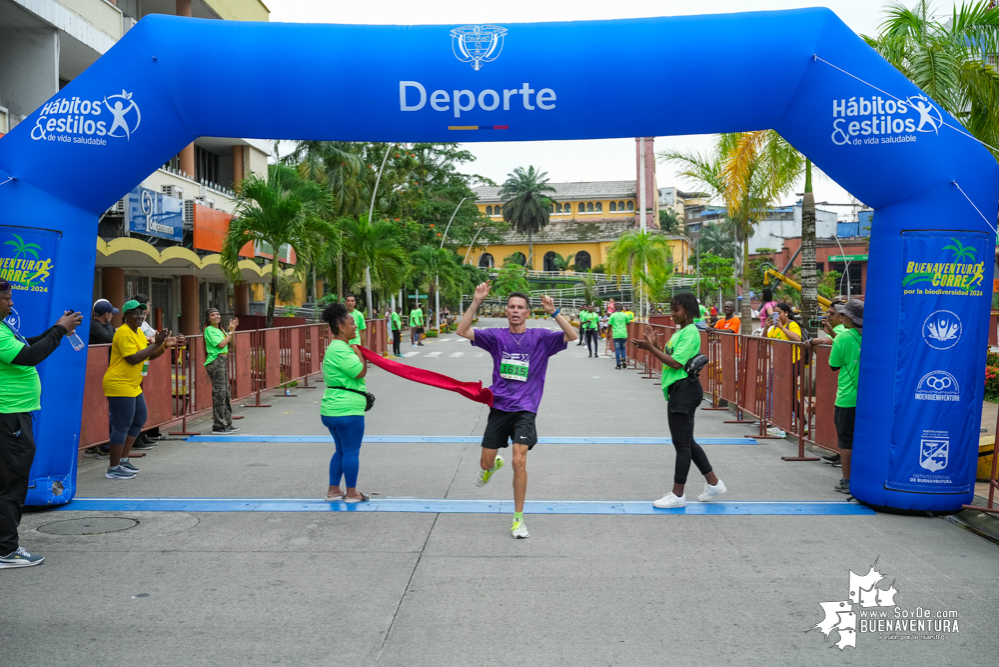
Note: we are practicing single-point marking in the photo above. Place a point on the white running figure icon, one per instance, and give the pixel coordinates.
(119, 111)
(924, 110)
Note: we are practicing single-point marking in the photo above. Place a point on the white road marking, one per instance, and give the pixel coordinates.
(411, 354)
(479, 354)
(457, 354)
(432, 354)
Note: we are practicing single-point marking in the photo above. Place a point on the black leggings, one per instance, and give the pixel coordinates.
(684, 399)
(590, 336)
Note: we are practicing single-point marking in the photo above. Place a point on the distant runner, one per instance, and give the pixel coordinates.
(358, 318)
(520, 359)
(416, 325)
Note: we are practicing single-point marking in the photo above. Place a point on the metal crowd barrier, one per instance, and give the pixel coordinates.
(177, 386)
(762, 378)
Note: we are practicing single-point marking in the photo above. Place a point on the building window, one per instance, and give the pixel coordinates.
(489, 210)
(582, 260)
(558, 208)
(497, 209)
(613, 207)
(206, 166)
(551, 208)
(582, 208)
(549, 262)
(485, 261)
(173, 163)
(620, 206)
(600, 207)
(589, 207)
(631, 206)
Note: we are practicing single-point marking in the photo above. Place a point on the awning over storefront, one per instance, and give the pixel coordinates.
(138, 257)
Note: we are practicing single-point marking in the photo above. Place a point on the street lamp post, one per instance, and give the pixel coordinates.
(843, 254)
(371, 212)
(437, 287)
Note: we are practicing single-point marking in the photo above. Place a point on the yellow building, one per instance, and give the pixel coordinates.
(586, 219)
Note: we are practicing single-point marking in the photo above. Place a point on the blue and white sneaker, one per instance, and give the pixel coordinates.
(127, 465)
(20, 558)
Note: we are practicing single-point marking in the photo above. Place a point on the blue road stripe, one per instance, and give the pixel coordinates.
(464, 439)
(446, 506)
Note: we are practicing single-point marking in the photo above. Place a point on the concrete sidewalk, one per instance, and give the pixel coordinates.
(414, 589)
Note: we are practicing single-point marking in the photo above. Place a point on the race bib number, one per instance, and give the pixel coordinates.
(513, 369)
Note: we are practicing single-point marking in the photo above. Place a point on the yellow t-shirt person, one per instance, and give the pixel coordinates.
(123, 378)
(775, 332)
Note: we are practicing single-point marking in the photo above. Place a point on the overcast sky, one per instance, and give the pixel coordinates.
(595, 160)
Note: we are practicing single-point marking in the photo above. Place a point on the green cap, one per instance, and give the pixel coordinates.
(132, 305)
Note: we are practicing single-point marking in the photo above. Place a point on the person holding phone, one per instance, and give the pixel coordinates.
(130, 357)
(683, 395)
(768, 306)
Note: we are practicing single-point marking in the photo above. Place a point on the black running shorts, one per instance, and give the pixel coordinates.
(505, 426)
(844, 419)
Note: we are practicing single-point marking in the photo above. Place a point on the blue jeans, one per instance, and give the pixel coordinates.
(347, 432)
(619, 350)
(128, 415)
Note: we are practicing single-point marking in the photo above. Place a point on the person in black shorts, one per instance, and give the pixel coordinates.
(520, 360)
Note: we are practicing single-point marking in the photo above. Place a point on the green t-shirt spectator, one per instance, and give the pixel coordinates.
(416, 318)
(845, 356)
(22, 390)
(340, 369)
(214, 336)
(396, 322)
(704, 313)
(839, 329)
(619, 325)
(587, 320)
(361, 326)
(683, 345)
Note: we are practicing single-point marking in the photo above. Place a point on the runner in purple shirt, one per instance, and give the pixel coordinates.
(520, 359)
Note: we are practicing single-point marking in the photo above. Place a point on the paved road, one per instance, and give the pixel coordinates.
(447, 588)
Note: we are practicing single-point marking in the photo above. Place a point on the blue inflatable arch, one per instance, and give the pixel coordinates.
(803, 73)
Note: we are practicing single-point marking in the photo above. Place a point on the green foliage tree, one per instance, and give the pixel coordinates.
(718, 239)
(525, 203)
(670, 222)
(562, 263)
(716, 273)
(511, 278)
(829, 284)
(949, 60)
(636, 252)
(282, 210)
(656, 282)
(374, 245)
(517, 258)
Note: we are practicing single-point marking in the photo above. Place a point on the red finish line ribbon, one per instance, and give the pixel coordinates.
(471, 390)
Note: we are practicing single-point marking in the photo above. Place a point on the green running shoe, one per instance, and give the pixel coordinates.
(484, 475)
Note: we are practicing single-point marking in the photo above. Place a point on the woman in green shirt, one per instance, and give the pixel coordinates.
(342, 410)
(217, 365)
(683, 396)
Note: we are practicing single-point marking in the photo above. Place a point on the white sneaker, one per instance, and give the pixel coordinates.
(669, 500)
(519, 530)
(711, 491)
(773, 430)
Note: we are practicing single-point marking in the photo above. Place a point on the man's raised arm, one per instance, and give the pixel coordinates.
(465, 329)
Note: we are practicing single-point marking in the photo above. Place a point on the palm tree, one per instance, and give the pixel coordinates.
(562, 263)
(748, 172)
(283, 210)
(718, 239)
(440, 268)
(670, 222)
(656, 282)
(636, 252)
(516, 258)
(374, 245)
(948, 61)
(525, 205)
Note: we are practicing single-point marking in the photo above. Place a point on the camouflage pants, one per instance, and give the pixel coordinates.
(218, 371)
